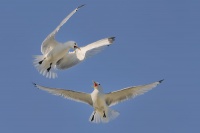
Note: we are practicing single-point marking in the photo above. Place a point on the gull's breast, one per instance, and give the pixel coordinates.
(98, 100)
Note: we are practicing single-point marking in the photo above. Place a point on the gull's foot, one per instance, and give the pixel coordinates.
(93, 117)
(104, 114)
(40, 62)
(48, 69)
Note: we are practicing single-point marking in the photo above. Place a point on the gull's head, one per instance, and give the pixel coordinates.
(97, 85)
(72, 45)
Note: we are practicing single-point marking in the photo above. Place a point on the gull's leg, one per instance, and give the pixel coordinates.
(48, 69)
(41, 61)
(104, 114)
(93, 116)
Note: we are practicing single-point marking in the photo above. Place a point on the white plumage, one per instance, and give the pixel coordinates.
(56, 55)
(101, 101)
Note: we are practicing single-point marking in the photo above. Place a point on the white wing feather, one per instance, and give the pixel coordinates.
(49, 43)
(89, 50)
(69, 94)
(93, 48)
(127, 93)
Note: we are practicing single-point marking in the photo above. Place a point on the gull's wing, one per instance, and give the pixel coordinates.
(127, 93)
(93, 48)
(89, 50)
(69, 94)
(49, 43)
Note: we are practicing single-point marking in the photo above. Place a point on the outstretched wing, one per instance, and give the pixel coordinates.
(49, 43)
(89, 50)
(127, 93)
(69, 94)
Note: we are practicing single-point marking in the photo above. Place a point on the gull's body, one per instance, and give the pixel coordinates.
(101, 101)
(56, 55)
(46, 64)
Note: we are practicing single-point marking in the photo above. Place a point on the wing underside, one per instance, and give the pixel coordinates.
(69, 94)
(89, 50)
(49, 43)
(129, 92)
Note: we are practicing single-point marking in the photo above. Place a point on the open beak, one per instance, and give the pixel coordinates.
(95, 84)
(76, 47)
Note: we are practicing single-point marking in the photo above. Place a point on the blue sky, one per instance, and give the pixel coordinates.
(155, 39)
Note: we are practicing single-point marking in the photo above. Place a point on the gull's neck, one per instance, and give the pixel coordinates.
(98, 90)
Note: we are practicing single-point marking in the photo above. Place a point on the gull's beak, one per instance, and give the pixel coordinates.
(95, 84)
(76, 47)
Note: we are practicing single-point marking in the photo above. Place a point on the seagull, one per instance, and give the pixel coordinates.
(101, 101)
(56, 55)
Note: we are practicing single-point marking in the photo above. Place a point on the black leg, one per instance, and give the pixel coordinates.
(48, 69)
(93, 116)
(104, 114)
(41, 61)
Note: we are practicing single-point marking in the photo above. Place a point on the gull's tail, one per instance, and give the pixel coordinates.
(104, 117)
(44, 67)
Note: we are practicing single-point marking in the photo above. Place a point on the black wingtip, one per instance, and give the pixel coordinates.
(161, 81)
(34, 84)
(80, 6)
(111, 39)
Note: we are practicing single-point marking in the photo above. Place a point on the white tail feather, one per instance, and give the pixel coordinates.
(42, 68)
(97, 116)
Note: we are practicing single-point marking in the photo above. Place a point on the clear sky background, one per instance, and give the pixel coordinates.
(155, 39)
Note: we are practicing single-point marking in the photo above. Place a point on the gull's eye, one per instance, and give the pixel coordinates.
(75, 44)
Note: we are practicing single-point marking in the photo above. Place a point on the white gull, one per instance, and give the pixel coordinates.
(56, 55)
(101, 101)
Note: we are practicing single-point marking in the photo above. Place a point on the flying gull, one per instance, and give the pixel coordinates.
(101, 101)
(56, 55)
